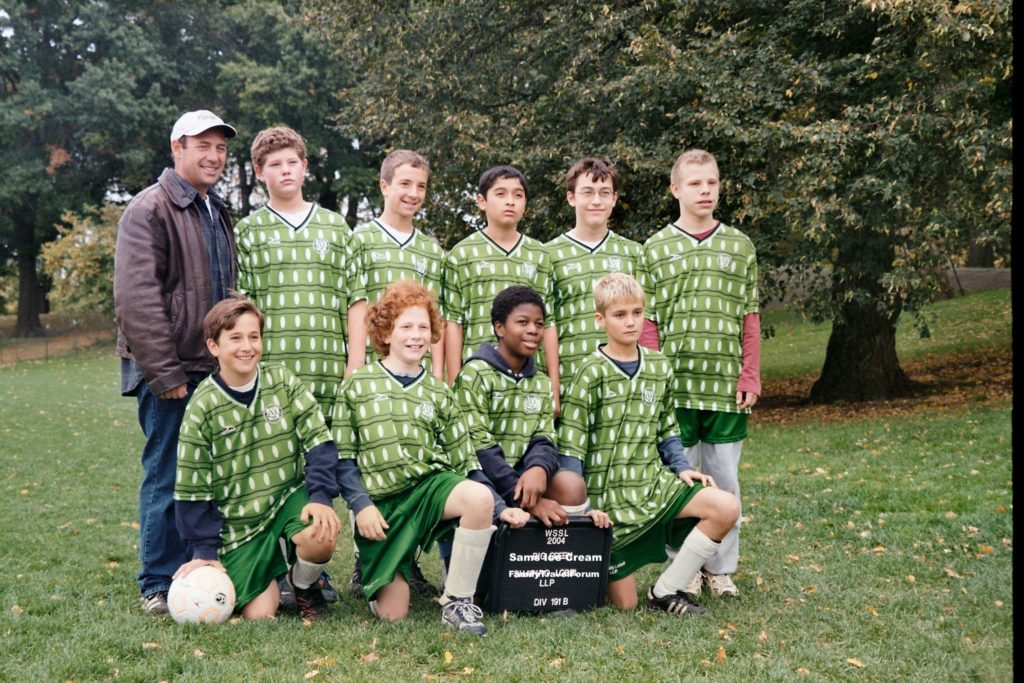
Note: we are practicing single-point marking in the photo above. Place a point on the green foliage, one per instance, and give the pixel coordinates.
(80, 262)
(862, 143)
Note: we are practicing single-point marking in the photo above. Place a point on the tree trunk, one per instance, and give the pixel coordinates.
(980, 255)
(352, 210)
(861, 362)
(30, 294)
(244, 188)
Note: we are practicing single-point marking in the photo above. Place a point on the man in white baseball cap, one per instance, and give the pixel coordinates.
(175, 258)
(200, 121)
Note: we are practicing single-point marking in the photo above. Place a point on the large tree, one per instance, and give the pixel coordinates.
(861, 143)
(88, 94)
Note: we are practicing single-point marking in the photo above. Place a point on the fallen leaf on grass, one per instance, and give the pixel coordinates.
(873, 611)
(198, 654)
(803, 671)
(814, 568)
(911, 578)
(793, 558)
(810, 589)
(951, 573)
(369, 657)
(762, 636)
(556, 662)
(720, 655)
(311, 674)
(17, 609)
(878, 549)
(985, 549)
(448, 657)
(151, 646)
(998, 603)
(853, 661)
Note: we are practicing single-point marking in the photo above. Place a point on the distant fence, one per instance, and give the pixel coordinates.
(64, 335)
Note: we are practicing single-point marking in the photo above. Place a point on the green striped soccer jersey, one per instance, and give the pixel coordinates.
(477, 269)
(378, 259)
(399, 434)
(297, 277)
(614, 423)
(699, 292)
(247, 459)
(576, 268)
(504, 411)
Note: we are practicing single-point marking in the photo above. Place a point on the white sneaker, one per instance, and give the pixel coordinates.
(693, 589)
(721, 584)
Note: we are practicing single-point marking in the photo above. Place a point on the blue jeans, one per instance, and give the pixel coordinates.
(161, 549)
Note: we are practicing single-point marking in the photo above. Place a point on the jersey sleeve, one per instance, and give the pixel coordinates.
(355, 268)
(344, 420)
(454, 304)
(194, 479)
(753, 302)
(309, 421)
(667, 424)
(245, 283)
(453, 436)
(473, 394)
(574, 421)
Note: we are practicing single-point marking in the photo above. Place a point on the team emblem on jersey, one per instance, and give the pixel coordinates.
(378, 256)
(320, 246)
(528, 269)
(724, 260)
(421, 266)
(613, 264)
(647, 394)
(426, 411)
(272, 413)
(531, 403)
(484, 265)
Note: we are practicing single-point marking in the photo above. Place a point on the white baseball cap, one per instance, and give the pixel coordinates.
(196, 122)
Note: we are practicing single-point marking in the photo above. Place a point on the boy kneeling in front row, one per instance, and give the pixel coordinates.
(618, 422)
(406, 464)
(242, 481)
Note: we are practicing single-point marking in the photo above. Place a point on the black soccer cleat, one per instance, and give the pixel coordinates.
(355, 584)
(678, 603)
(310, 601)
(419, 584)
(326, 587)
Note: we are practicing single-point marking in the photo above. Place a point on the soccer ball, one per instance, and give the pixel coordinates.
(205, 596)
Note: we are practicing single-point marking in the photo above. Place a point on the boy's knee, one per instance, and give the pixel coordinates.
(728, 507)
(624, 602)
(391, 612)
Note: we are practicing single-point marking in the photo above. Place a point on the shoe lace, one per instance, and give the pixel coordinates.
(464, 609)
(308, 601)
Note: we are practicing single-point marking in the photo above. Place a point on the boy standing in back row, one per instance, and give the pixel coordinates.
(581, 256)
(703, 289)
(292, 262)
(390, 248)
(482, 265)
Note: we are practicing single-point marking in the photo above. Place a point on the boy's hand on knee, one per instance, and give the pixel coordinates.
(691, 476)
(371, 523)
(600, 518)
(325, 522)
(530, 487)
(514, 517)
(187, 568)
(549, 512)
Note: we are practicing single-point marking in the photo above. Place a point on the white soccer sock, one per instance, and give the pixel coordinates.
(305, 574)
(695, 550)
(468, 553)
(580, 509)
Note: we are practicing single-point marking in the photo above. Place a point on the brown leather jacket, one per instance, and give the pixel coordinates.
(162, 284)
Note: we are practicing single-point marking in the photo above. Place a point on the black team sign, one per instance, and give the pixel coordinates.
(537, 569)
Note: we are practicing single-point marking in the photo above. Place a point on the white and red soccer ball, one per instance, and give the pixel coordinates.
(205, 596)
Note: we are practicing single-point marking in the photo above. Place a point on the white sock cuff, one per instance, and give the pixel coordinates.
(474, 538)
(580, 509)
(305, 573)
(698, 543)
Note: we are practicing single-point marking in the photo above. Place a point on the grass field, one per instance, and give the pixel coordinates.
(873, 550)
